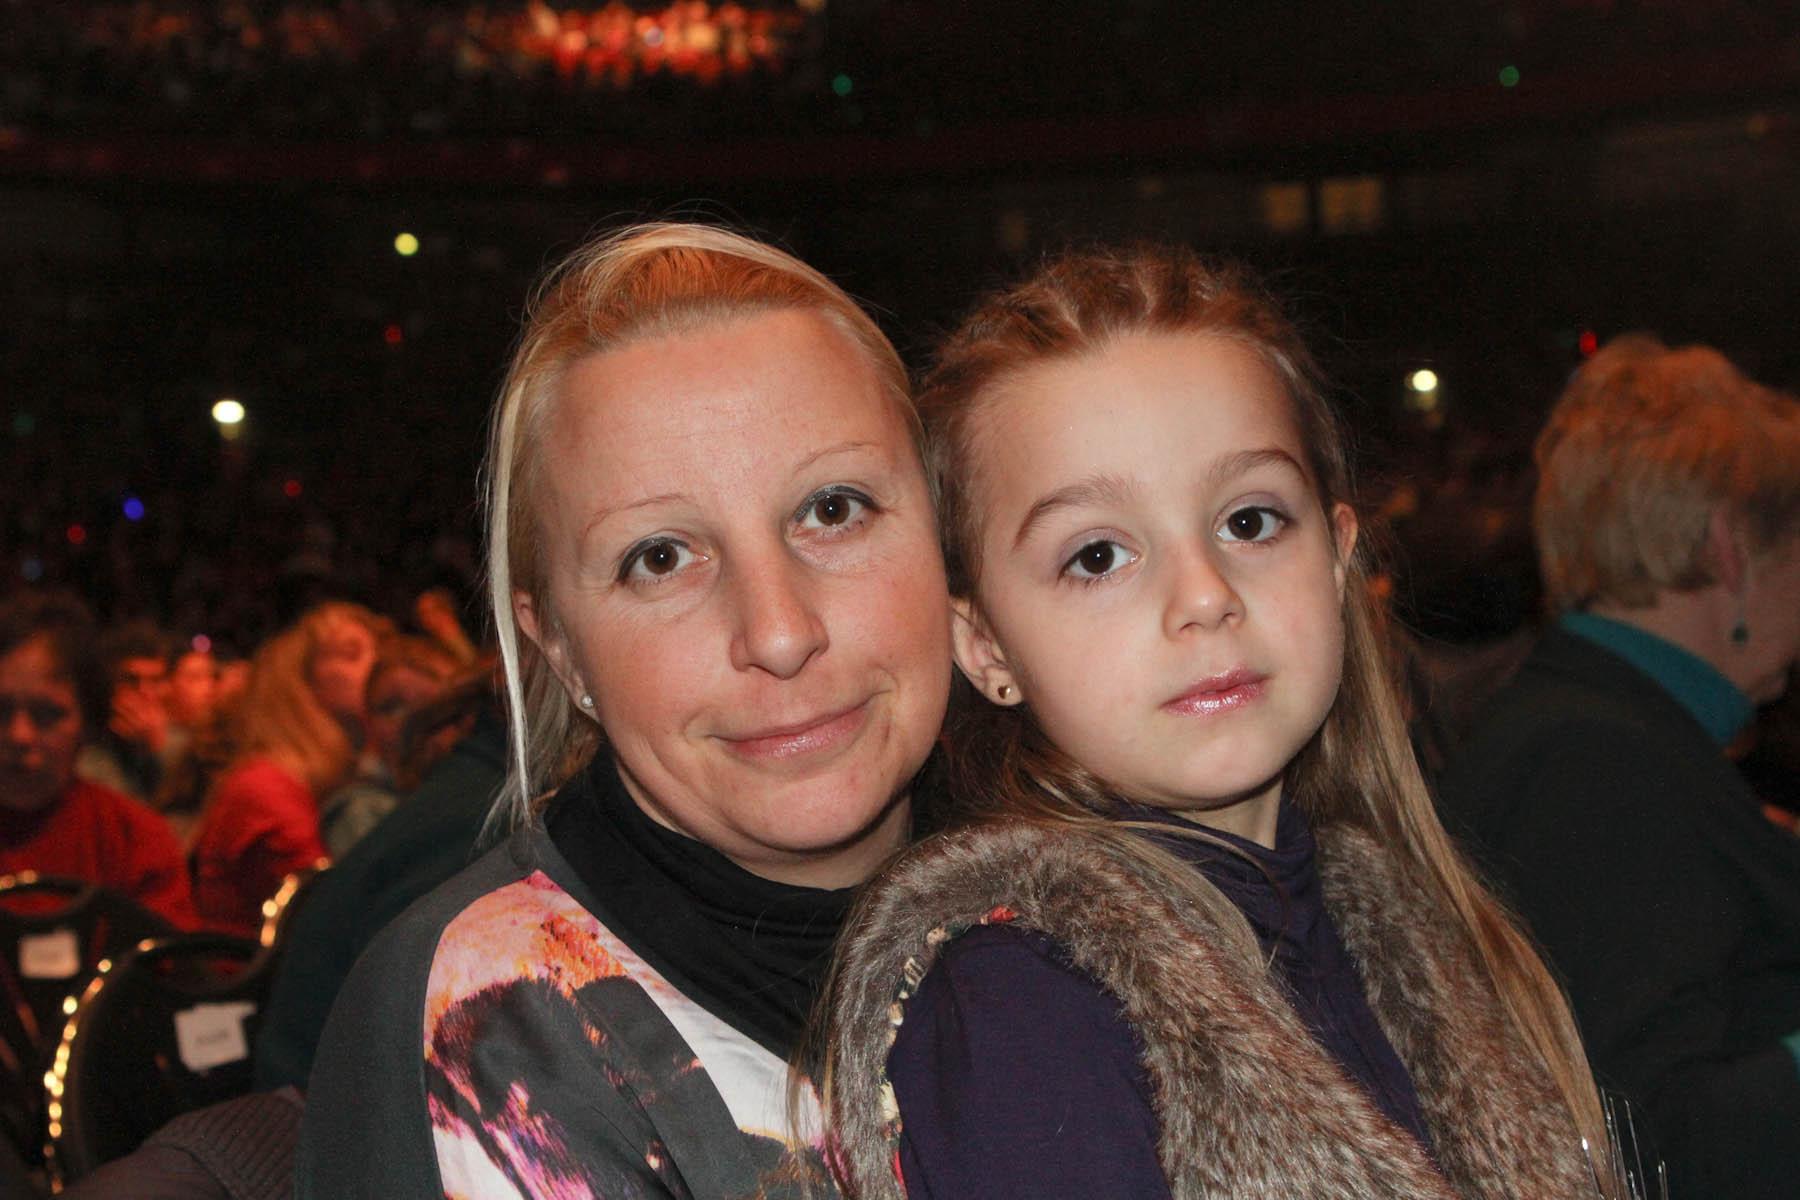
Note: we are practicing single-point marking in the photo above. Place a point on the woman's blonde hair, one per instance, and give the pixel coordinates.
(1359, 769)
(1644, 445)
(279, 714)
(646, 281)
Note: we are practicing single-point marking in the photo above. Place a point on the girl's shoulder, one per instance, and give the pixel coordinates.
(1098, 896)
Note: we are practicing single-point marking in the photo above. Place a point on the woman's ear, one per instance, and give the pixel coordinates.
(1725, 555)
(1343, 534)
(548, 637)
(979, 656)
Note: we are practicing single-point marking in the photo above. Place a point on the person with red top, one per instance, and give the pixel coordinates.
(298, 726)
(51, 822)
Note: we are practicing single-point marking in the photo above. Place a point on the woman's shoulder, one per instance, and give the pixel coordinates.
(517, 997)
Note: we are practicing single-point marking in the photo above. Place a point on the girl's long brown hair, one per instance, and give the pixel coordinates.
(1359, 769)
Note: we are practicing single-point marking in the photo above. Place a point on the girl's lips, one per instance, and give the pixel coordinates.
(806, 737)
(1221, 693)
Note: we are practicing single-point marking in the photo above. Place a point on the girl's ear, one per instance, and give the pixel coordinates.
(979, 656)
(1343, 533)
(548, 637)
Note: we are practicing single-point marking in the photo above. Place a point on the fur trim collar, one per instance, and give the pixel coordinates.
(1249, 1104)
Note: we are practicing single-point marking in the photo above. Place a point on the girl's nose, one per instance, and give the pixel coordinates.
(1200, 594)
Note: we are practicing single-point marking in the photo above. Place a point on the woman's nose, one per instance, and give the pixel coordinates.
(1200, 594)
(778, 625)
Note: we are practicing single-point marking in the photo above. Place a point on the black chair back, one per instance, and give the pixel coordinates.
(55, 933)
(166, 1030)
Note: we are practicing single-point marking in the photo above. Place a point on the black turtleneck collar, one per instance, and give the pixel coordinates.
(751, 951)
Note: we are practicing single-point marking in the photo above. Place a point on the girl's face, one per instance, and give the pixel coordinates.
(743, 572)
(1158, 580)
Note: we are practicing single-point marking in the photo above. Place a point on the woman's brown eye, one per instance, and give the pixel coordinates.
(831, 510)
(661, 559)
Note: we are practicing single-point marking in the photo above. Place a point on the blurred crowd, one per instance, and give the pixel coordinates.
(357, 69)
(196, 780)
(367, 69)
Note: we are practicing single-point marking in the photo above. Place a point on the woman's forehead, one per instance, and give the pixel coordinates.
(753, 390)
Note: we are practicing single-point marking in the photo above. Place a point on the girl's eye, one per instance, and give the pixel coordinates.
(1096, 559)
(1252, 524)
(833, 509)
(654, 559)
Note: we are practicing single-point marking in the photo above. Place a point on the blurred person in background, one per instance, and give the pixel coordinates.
(436, 612)
(129, 751)
(50, 821)
(411, 672)
(297, 728)
(1596, 788)
(193, 688)
(452, 764)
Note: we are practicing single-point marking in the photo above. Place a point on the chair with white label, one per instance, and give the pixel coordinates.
(166, 1030)
(54, 935)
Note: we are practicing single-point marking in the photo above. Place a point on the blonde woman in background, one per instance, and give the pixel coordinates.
(296, 731)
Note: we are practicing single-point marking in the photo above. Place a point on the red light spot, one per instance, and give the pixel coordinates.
(77, 534)
(1587, 343)
(291, 488)
(393, 335)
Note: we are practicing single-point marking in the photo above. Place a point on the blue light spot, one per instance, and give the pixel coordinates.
(32, 570)
(134, 509)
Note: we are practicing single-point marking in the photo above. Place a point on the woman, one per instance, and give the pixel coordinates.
(1597, 785)
(721, 614)
(51, 822)
(297, 729)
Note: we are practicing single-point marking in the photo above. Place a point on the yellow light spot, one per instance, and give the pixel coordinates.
(228, 411)
(406, 245)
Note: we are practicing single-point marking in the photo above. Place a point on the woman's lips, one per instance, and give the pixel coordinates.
(1221, 693)
(804, 737)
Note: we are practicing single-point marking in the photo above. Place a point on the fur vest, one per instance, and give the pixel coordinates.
(1248, 1103)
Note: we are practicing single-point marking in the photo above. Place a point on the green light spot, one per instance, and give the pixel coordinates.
(24, 424)
(1509, 76)
(842, 85)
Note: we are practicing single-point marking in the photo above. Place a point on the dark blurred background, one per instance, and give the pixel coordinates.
(332, 211)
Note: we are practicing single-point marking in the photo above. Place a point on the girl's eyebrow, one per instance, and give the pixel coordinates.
(1095, 489)
(1245, 461)
(1105, 489)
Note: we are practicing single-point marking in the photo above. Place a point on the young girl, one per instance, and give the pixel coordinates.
(1194, 929)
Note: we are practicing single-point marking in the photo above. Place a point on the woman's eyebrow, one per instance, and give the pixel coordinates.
(1095, 489)
(828, 451)
(605, 514)
(602, 515)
